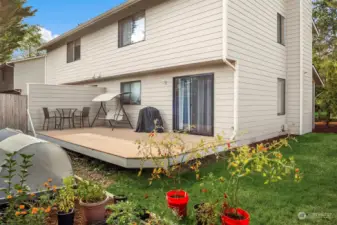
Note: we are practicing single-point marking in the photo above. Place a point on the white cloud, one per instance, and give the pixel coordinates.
(47, 35)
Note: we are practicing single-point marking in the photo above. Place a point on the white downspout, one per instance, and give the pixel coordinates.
(235, 67)
(301, 69)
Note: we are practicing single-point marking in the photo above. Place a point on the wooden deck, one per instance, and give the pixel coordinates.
(116, 147)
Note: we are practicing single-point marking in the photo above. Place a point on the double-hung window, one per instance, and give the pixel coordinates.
(133, 90)
(131, 29)
(280, 29)
(74, 51)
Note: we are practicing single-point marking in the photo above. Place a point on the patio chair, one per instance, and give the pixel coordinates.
(82, 115)
(47, 118)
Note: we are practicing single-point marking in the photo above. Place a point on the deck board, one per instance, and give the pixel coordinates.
(119, 142)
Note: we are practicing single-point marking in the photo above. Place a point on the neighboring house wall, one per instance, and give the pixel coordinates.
(29, 71)
(60, 96)
(178, 32)
(252, 42)
(6, 80)
(307, 66)
(299, 59)
(157, 91)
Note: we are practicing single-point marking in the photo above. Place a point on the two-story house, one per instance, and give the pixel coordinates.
(242, 67)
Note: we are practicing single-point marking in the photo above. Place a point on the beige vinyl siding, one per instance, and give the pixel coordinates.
(157, 91)
(293, 65)
(252, 41)
(29, 71)
(307, 66)
(178, 32)
(60, 96)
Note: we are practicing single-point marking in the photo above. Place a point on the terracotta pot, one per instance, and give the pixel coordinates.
(66, 218)
(94, 212)
(177, 200)
(226, 220)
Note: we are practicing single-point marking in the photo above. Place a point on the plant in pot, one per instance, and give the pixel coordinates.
(121, 185)
(66, 202)
(263, 159)
(165, 152)
(92, 201)
(209, 209)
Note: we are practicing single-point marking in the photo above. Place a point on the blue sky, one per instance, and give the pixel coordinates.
(62, 15)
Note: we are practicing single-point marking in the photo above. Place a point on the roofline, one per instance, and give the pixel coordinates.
(315, 27)
(318, 75)
(26, 59)
(89, 23)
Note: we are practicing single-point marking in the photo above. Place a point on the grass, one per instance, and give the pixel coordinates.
(274, 204)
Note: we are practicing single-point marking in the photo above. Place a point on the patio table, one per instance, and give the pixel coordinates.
(66, 113)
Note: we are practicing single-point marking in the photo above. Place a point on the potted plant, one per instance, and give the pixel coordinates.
(66, 202)
(164, 153)
(167, 153)
(266, 160)
(92, 201)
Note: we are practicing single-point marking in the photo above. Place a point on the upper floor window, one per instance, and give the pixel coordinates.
(281, 96)
(280, 29)
(74, 51)
(133, 89)
(131, 29)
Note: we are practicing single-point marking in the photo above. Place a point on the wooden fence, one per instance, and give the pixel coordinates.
(13, 112)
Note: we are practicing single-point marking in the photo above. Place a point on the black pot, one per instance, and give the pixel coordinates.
(120, 198)
(144, 216)
(66, 218)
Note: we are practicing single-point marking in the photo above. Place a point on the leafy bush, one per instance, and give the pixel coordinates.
(90, 192)
(125, 213)
(66, 197)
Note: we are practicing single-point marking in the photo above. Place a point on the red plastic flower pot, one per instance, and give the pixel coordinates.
(177, 200)
(226, 220)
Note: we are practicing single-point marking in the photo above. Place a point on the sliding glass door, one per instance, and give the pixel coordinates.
(193, 104)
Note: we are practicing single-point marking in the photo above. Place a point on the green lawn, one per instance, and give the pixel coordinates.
(316, 156)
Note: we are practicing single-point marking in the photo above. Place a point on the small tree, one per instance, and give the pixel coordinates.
(266, 160)
(12, 28)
